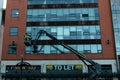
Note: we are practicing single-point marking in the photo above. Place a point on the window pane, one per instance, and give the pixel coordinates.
(28, 49)
(12, 49)
(99, 48)
(15, 13)
(87, 48)
(80, 48)
(47, 49)
(93, 48)
(13, 31)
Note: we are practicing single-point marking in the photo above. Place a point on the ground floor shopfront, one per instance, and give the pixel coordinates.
(51, 69)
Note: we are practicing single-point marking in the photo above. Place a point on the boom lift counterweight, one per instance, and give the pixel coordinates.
(95, 68)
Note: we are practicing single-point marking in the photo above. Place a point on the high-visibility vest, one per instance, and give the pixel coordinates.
(26, 36)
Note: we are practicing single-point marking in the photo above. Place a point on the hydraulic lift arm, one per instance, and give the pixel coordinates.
(95, 68)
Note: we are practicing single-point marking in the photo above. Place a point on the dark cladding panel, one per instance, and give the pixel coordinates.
(45, 6)
(65, 23)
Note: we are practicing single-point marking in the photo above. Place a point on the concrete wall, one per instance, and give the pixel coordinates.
(4, 4)
(1, 27)
(1, 39)
(1, 8)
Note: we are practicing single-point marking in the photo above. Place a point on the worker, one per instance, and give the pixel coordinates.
(27, 37)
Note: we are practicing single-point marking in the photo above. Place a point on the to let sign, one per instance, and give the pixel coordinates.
(63, 68)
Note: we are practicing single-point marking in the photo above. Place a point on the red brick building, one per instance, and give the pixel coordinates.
(17, 23)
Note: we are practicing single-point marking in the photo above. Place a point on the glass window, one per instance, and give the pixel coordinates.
(35, 12)
(15, 13)
(85, 10)
(92, 32)
(29, 12)
(66, 50)
(12, 49)
(73, 28)
(53, 50)
(28, 49)
(99, 48)
(65, 14)
(41, 12)
(87, 49)
(93, 48)
(41, 49)
(47, 49)
(91, 12)
(73, 46)
(28, 30)
(96, 12)
(58, 49)
(66, 11)
(59, 12)
(86, 32)
(66, 30)
(53, 29)
(61, 1)
(80, 48)
(60, 31)
(13, 31)
(95, 1)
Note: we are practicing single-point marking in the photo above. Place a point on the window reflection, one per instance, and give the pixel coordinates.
(13, 31)
(61, 1)
(65, 14)
(58, 49)
(115, 5)
(15, 13)
(67, 32)
(12, 49)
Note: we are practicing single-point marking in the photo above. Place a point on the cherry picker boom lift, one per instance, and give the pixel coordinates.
(95, 68)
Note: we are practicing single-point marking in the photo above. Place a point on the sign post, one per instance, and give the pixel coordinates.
(21, 69)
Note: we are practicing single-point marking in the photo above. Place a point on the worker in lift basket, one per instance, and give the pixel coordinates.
(27, 37)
